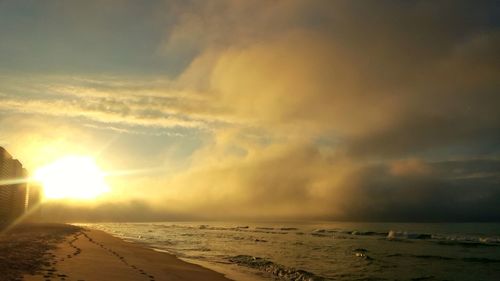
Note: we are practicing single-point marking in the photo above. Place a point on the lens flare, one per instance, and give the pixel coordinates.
(72, 177)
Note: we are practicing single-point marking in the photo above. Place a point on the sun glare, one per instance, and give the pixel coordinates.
(72, 177)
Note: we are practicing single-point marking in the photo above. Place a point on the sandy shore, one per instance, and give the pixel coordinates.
(92, 255)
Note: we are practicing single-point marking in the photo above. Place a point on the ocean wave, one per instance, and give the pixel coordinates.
(330, 232)
(430, 277)
(432, 257)
(481, 260)
(466, 244)
(288, 228)
(468, 241)
(447, 240)
(445, 258)
(324, 231)
(321, 234)
(393, 235)
(244, 228)
(368, 233)
(278, 271)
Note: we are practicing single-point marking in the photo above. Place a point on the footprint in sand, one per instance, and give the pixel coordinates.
(121, 258)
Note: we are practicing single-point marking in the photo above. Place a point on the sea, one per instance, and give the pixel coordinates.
(326, 250)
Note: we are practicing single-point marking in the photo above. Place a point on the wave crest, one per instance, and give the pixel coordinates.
(278, 271)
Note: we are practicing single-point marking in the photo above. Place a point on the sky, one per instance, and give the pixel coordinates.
(289, 110)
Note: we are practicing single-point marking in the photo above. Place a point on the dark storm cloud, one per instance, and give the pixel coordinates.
(450, 191)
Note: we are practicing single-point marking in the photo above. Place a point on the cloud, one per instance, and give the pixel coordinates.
(385, 83)
(304, 79)
(123, 104)
(302, 182)
(328, 67)
(408, 167)
(378, 195)
(385, 87)
(127, 211)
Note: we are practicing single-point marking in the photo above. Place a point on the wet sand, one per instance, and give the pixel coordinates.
(25, 248)
(93, 255)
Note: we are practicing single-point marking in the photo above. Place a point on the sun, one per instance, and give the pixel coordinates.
(72, 177)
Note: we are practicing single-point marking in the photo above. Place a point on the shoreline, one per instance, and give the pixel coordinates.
(94, 255)
(231, 272)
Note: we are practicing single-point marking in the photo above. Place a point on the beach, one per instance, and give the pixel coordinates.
(64, 252)
(326, 250)
(252, 251)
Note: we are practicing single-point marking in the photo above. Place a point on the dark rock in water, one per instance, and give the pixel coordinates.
(361, 253)
(278, 271)
(363, 256)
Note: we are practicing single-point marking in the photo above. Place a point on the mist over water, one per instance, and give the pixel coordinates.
(329, 251)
